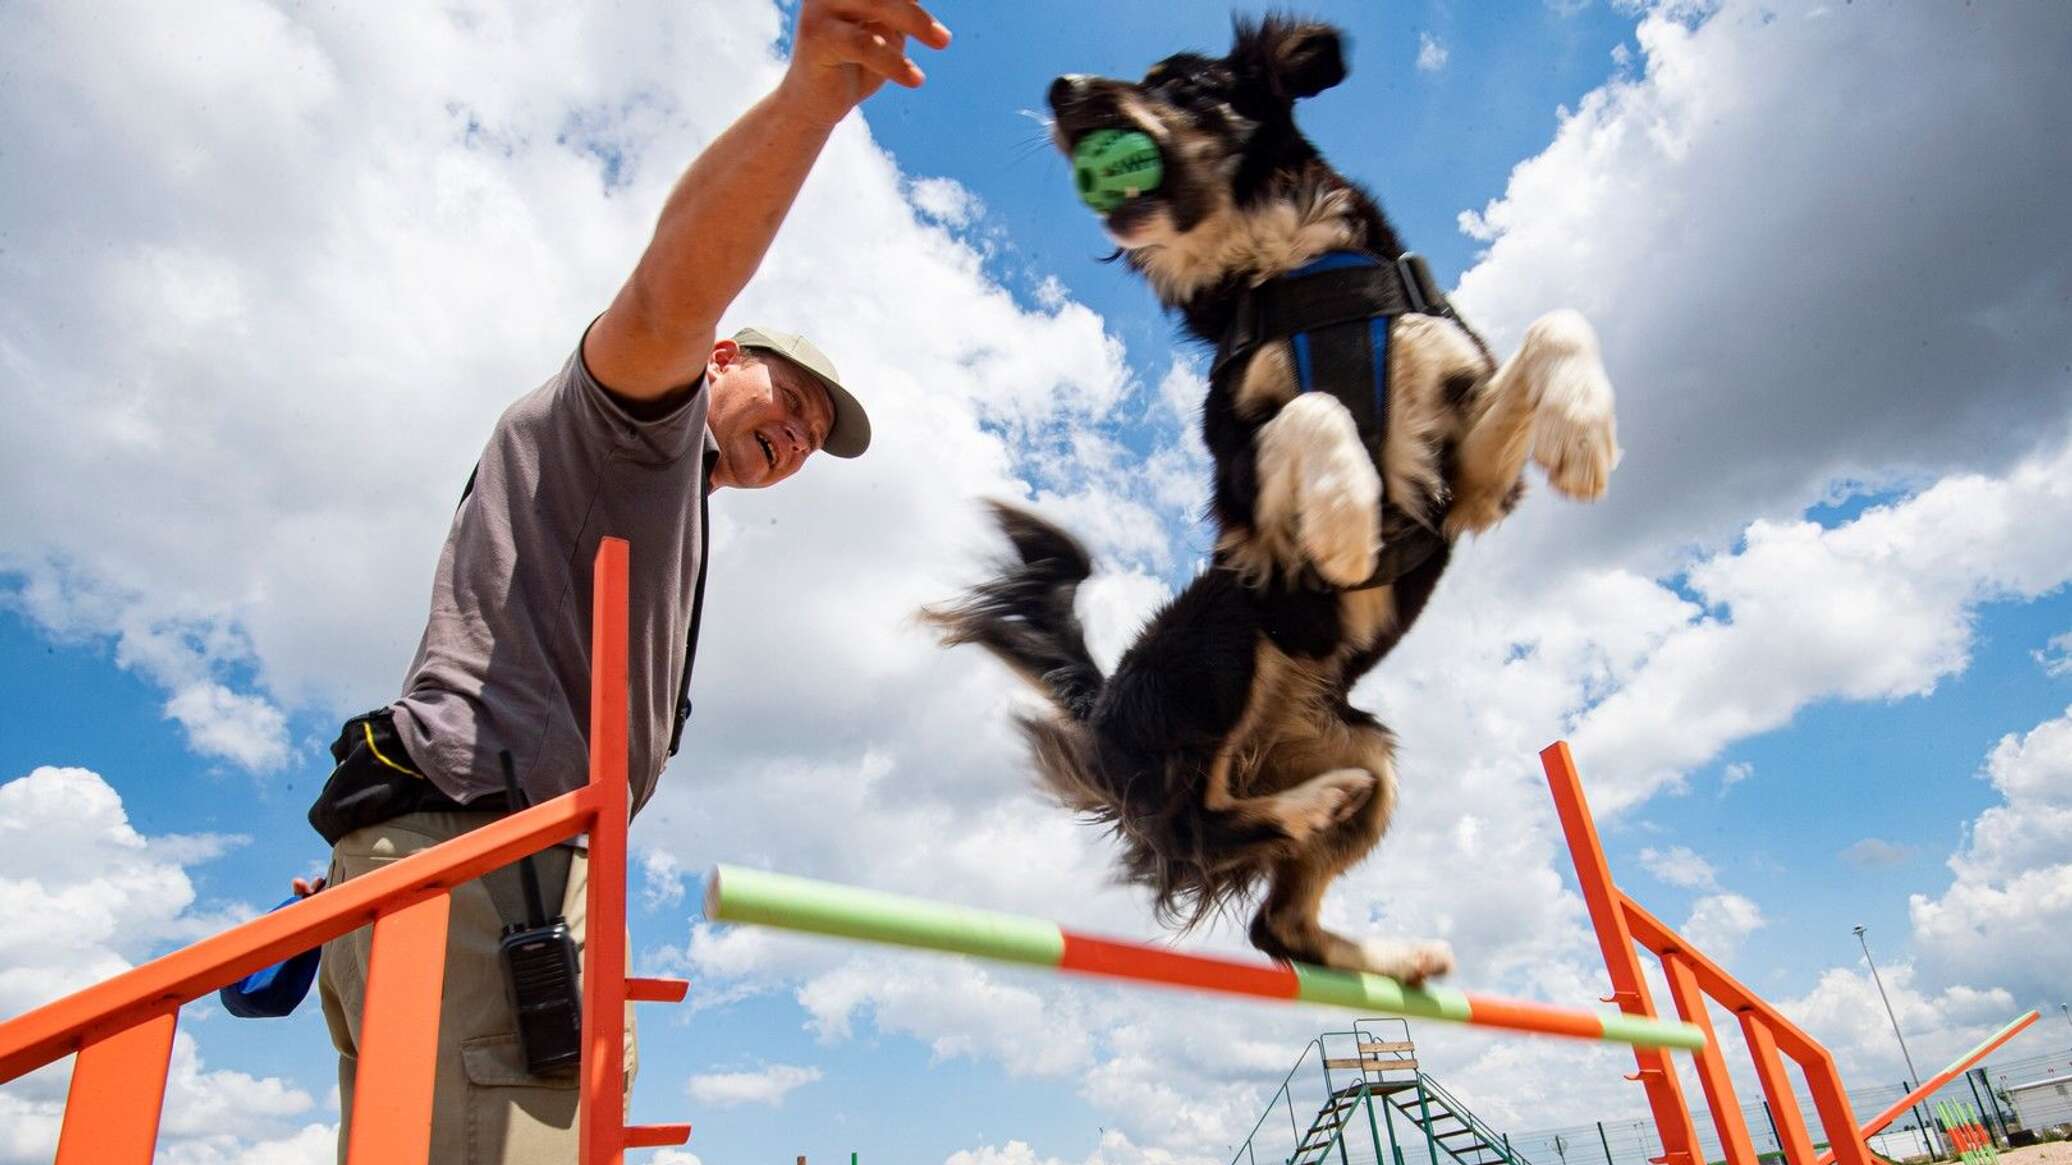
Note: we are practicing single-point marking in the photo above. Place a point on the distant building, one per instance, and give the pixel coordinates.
(1901, 1145)
(2042, 1104)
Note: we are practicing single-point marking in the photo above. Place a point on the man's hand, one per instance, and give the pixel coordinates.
(655, 338)
(845, 50)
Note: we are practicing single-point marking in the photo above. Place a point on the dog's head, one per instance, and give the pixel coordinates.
(1224, 128)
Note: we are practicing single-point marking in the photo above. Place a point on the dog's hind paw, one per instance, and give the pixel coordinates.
(1410, 962)
(1323, 801)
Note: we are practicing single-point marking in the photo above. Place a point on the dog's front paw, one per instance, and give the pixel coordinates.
(1575, 434)
(1410, 962)
(1578, 452)
(1344, 546)
(1339, 508)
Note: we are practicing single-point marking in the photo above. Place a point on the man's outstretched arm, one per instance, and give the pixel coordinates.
(718, 222)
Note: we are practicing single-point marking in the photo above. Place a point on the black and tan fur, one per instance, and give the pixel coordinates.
(1224, 750)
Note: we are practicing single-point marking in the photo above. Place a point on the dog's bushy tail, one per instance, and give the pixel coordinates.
(1024, 615)
(1195, 864)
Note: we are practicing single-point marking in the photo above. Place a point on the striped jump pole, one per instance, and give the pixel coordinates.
(1935, 1082)
(733, 894)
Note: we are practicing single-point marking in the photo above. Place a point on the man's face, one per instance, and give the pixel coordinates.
(767, 414)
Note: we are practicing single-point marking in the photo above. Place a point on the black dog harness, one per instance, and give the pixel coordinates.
(1335, 313)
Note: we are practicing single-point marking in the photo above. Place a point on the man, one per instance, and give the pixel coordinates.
(648, 414)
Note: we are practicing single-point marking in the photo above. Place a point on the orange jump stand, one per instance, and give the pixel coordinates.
(1621, 923)
(122, 1029)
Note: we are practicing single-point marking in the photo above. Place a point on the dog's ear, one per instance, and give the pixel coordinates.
(1292, 58)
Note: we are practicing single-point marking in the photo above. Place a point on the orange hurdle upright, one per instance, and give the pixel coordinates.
(122, 1029)
(1621, 925)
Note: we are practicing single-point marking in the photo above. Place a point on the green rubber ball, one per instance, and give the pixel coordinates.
(1112, 166)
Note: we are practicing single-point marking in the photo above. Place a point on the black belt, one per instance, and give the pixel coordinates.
(375, 781)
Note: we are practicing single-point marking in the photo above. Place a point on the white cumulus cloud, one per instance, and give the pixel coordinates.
(2007, 914)
(1431, 55)
(1719, 922)
(769, 1085)
(1844, 1011)
(1872, 852)
(236, 726)
(85, 896)
(1679, 866)
(1881, 607)
(662, 879)
(1742, 215)
(2056, 656)
(1115, 1148)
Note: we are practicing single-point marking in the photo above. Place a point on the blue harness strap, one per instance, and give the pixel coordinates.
(1335, 312)
(1305, 372)
(1334, 261)
(1344, 356)
(1378, 344)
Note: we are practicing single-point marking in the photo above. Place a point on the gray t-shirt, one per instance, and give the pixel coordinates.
(505, 659)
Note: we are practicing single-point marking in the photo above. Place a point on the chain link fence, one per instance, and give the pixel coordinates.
(1632, 1139)
(1380, 1133)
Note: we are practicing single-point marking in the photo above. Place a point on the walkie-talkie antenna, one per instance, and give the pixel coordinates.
(535, 902)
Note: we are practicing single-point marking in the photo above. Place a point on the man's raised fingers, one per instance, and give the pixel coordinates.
(904, 16)
(882, 51)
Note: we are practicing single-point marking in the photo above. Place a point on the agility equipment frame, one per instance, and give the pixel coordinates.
(1693, 978)
(122, 1029)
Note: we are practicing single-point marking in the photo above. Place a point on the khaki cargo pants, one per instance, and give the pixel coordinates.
(486, 1109)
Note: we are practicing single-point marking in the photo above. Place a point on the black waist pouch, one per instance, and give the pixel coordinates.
(375, 780)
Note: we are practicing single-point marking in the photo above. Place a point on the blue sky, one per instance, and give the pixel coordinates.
(1430, 144)
(312, 257)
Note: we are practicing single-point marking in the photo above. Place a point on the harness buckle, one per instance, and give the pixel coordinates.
(1416, 278)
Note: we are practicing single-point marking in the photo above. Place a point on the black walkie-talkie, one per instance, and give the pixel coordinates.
(540, 970)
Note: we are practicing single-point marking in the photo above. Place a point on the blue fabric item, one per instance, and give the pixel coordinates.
(1302, 374)
(1378, 345)
(1333, 261)
(1377, 328)
(273, 991)
(1377, 334)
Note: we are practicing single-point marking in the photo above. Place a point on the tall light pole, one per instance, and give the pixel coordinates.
(2068, 1012)
(1908, 1056)
(1914, 1080)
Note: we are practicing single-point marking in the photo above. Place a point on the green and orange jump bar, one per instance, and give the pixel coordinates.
(733, 894)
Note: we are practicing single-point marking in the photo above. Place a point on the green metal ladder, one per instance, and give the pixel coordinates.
(1450, 1128)
(1327, 1131)
(1383, 1067)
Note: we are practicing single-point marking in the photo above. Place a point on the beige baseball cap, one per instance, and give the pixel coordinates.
(850, 434)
